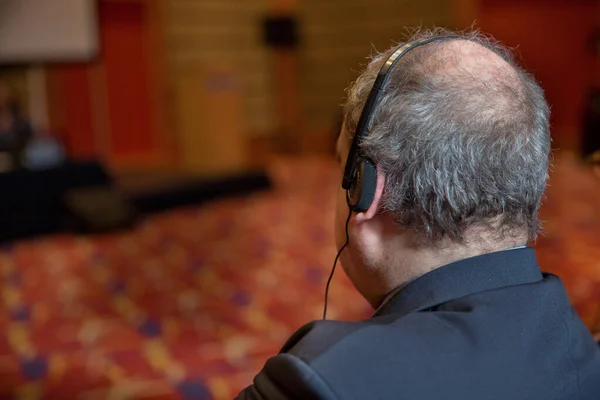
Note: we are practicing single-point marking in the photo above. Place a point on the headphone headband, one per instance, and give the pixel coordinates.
(367, 112)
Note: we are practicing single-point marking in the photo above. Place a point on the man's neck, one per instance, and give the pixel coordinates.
(412, 260)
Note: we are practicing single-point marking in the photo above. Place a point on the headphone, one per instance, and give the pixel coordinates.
(360, 173)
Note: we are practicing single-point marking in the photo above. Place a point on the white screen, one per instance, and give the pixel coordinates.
(36, 31)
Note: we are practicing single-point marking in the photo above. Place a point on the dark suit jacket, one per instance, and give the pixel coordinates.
(488, 327)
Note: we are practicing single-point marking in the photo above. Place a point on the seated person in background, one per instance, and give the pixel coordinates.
(44, 151)
(445, 193)
(15, 131)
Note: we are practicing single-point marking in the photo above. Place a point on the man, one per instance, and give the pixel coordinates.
(459, 137)
(15, 131)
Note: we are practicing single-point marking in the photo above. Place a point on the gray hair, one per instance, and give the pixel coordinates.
(458, 149)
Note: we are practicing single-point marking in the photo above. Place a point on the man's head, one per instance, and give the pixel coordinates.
(460, 137)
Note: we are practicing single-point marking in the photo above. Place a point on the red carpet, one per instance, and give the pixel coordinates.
(191, 303)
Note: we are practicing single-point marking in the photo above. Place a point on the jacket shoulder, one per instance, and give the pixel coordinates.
(291, 373)
(316, 337)
(287, 377)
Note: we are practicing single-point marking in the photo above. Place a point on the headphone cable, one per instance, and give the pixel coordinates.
(335, 264)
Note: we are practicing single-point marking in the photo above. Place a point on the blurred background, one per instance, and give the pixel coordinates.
(168, 180)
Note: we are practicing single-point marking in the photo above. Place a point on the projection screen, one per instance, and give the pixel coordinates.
(40, 31)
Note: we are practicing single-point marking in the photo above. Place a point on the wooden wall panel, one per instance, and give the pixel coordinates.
(338, 35)
(209, 114)
(204, 34)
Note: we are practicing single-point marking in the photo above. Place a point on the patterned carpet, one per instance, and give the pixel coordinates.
(191, 303)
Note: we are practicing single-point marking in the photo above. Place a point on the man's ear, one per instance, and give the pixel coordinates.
(377, 198)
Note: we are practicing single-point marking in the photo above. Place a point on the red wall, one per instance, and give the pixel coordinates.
(105, 108)
(125, 59)
(71, 99)
(552, 38)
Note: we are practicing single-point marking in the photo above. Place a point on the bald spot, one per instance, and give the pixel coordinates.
(467, 57)
(492, 84)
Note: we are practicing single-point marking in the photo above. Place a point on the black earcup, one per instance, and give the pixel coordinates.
(361, 193)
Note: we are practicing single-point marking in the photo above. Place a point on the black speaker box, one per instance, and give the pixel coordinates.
(281, 32)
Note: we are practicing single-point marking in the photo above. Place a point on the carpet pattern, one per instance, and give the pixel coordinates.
(191, 303)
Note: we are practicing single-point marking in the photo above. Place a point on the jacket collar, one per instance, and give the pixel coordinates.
(465, 277)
